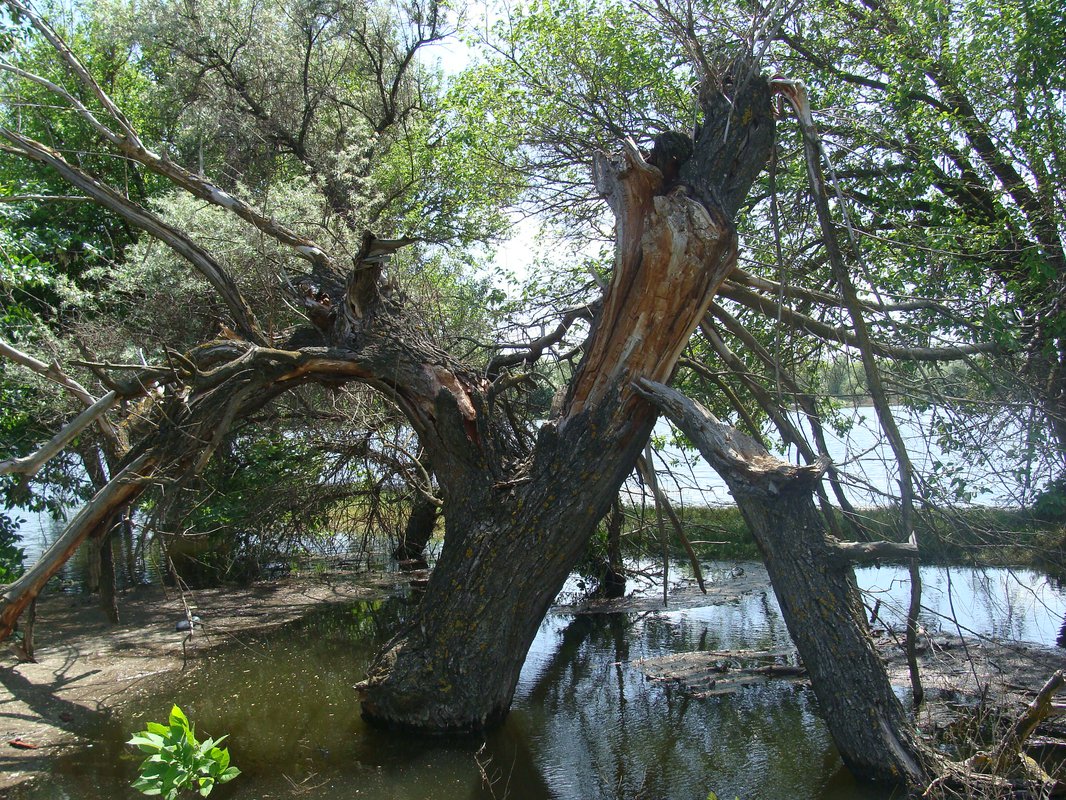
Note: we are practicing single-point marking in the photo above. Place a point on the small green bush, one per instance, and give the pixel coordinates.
(176, 761)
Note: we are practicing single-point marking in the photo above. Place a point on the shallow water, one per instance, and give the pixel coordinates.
(586, 723)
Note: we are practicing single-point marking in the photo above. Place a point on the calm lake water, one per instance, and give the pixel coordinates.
(983, 469)
(586, 722)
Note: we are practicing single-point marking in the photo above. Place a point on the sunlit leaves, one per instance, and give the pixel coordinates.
(177, 762)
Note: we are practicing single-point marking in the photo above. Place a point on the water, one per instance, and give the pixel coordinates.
(586, 722)
(1018, 605)
(983, 470)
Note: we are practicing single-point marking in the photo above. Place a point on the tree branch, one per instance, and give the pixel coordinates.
(202, 261)
(31, 464)
(54, 373)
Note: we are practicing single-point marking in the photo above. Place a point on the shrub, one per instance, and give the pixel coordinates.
(177, 761)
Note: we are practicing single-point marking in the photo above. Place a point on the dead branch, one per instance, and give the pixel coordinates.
(796, 94)
(178, 241)
(647, 472)
(866, 552)
(1010, 746)
(120, 490)
(31, 464)
(771, 308)
(54, 373)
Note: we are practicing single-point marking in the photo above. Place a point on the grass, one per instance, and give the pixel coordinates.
(973, 535)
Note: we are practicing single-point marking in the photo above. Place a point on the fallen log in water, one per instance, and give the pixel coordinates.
(721, 672)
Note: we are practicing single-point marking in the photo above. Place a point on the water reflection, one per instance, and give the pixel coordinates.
(1004, 603)
(601, 729)
(587, 723)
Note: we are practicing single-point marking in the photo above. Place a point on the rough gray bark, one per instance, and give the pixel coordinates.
(515, 526)
(108, 587)
(817, 594)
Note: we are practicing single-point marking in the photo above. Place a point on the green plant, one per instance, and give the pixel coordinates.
(11, 555)
(177, 761)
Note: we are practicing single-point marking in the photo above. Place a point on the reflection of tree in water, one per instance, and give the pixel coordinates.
(600, 728)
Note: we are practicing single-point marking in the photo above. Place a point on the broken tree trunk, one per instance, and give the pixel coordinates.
(817, 594)
(515, 525)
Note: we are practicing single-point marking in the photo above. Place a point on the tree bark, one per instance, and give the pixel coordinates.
(108, 587)
(418, 530)
(817, 593)
(613, 583)
(514, 525)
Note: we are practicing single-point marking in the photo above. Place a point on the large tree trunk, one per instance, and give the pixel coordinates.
(515, 527)
(815, 587)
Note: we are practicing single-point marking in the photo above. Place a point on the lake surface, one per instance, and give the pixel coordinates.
(983, 470)
(986, 467)
(586, 722)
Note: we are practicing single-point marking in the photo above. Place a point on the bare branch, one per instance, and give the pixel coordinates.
(120, 490)
(129, 143)
(771, 308)
(204, 263)
(31, 464)
(44, 198)
(74, 65)
(54, 373)
(865, 552)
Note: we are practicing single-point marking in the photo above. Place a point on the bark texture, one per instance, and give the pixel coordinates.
(516, 523)
(817, 593)
(418, 530)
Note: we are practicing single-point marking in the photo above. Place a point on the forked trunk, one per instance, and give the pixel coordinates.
(515, 526)
(507, 551)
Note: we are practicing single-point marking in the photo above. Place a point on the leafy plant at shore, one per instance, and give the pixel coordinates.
(177, 761)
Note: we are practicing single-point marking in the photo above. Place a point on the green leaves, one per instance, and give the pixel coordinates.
(177, 761)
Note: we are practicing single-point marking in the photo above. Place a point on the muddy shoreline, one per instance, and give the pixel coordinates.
(87, 668)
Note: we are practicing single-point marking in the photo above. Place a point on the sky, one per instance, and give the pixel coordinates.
(517, 255)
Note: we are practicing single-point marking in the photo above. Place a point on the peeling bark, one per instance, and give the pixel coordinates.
(515, 525)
